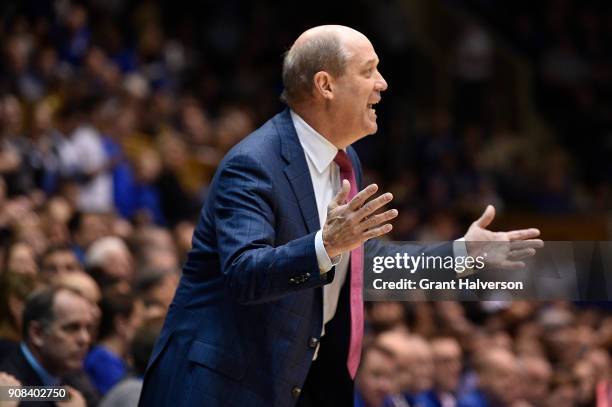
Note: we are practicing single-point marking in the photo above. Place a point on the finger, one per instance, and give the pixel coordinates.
(487, 217)
(376, 220)
(523, 234)
(523, 244)
(363, 195)
(521, 254)
(374, 205)
(379, 231)
(341, 196)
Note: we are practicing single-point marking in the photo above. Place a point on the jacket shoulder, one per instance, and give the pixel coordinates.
(262, 144)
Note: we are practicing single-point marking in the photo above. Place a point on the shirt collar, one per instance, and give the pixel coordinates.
(47, 378)
(318, 149)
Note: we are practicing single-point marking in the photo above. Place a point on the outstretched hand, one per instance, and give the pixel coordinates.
(505, 250)
(351, 223)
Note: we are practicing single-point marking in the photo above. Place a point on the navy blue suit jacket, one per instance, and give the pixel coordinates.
(247, 315)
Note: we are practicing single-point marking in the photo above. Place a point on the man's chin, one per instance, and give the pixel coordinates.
(372, 128)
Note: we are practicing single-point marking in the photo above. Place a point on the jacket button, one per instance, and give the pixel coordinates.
(312, 342)
(295, 392)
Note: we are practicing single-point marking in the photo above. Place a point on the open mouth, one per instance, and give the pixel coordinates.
(371, 106)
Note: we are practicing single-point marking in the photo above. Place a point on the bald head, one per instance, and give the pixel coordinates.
(414, 358)
(323, 48)
(498, 375)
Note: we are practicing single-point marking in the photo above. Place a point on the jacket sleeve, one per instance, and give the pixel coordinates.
(254, 268)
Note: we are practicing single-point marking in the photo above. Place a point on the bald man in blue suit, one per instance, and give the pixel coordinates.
(262, 315)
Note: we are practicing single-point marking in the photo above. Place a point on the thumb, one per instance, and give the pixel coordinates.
(487, 217)
(340, 198)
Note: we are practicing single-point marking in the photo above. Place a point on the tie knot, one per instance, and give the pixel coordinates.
(343, 161)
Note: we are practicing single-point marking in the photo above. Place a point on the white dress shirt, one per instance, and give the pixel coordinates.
(325, 175)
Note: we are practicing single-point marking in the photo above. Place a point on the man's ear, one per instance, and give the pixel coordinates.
(36, 333)
(324, 85)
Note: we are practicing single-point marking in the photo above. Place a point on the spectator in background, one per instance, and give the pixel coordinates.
(586, 380)
(535, 376)
(85, 228)
(91, 163)
(448, 364)
(146, 204)
(179, 183)
(375, 378)
(156, 287)
(85, 285)
(498, 380)
(20, 258)
(386, 315)
(127, 392)
(58, 260)
(106, 364)
(155, 248)
(415, 365)
(14, 289)
(395, 342)
(75, 33)
(12, 147)
(111, 259)
(56, 214)
(56, 336)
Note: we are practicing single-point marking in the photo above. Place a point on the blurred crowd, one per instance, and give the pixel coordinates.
(485, 354)
(568, 44)
(113, 118)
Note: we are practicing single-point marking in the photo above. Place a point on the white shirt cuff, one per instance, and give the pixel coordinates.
(460, 250)
(325, 263)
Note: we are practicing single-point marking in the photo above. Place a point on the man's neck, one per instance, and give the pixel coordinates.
(323, 124)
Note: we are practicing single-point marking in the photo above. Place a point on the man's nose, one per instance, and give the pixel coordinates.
(84, 336)
(381, 83)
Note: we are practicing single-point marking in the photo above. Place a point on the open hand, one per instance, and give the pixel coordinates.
(504, 250)
(350, 224)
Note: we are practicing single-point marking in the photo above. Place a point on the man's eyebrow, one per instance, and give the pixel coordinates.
(372, 61)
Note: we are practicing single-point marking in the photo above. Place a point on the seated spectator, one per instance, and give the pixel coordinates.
(56, 215)
(58, 260)
(156, 287)
(85, 285)
(415, 373)
(85, 228)
(56, 336)
(585, 381)
(498, 380)
(106, 363)
(14, 289)
(536, 374)
(447, 357)
(112, 258)
(20, 258)
(127, 392)
(386, 315)
(375, 378)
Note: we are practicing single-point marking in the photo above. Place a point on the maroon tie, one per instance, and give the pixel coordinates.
(354, 355)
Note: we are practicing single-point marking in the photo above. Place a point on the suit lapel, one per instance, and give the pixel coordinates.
(296, 171)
